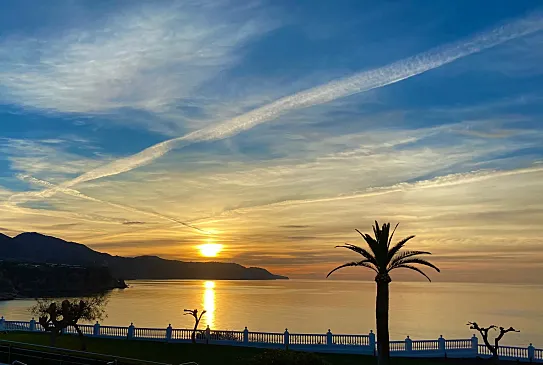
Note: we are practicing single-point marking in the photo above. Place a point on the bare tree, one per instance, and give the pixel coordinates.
(484, 333)
(194, 313)
(55, 316)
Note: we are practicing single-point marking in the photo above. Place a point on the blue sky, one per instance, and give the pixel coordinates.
(275, 128)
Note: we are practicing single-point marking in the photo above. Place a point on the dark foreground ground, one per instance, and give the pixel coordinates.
(177, 353)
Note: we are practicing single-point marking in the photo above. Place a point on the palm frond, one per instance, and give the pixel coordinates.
(413, 268)
(392, 235)
(383, 237)
(364, 263)
(361, 251)
(410, 261)
(397, 247)
(405, 254)
(372, 243)
(376, 231)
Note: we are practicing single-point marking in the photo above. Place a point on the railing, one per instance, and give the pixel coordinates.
(85, 329)
(457, 344)
(234, 336)
(149, 333)
(509, 352)
(113, 331)
(307, 339)
(22, 353)
(513, 352)
(351, 340)
(16, 326)
(425, 345)
(538, 355)
(328, 342)
(397, 346)
(266, 337)
(181, 334)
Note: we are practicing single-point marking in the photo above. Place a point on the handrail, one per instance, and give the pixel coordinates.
(57, 351)
(328, 342)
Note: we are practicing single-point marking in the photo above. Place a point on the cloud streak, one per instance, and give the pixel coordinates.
(144, 58)
(438, 182)
(360, 82)
(80, 195)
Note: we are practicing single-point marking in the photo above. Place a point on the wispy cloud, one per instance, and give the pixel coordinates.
(37, 196)
(357, 83)
(146, 58)
(438, 182)
(51, 157)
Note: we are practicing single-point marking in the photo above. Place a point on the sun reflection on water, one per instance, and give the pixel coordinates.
(209, 303)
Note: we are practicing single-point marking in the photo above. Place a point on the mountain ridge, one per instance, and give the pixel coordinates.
(37, 247)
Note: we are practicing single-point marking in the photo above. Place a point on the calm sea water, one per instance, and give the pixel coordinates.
(420, 310)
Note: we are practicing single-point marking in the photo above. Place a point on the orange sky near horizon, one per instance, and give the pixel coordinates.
(479, 229)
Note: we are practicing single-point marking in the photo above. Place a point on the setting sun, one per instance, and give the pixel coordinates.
(210, 249)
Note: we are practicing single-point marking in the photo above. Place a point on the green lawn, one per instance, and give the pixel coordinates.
(176, 353)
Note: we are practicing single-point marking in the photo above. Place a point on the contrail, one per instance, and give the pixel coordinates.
(357, 83)
(436, 182)
(78, 194)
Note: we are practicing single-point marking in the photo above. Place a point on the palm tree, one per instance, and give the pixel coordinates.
(382, 258)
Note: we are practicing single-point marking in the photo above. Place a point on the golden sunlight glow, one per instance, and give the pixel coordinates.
(209, 303)
(210, 249)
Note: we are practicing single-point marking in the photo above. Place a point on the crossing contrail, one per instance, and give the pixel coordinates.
(78, 194)
(357, 83)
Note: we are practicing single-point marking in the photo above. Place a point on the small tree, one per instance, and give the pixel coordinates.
(55, 316)
(484, 333)
(194, 313)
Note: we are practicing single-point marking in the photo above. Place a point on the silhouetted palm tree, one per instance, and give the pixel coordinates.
(383, 258)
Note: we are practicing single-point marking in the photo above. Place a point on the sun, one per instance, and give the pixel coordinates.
(210, 249)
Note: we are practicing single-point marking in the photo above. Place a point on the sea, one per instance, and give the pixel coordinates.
(420, 310)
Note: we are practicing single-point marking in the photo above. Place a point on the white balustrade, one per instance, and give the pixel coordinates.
(397, 346)
(425, 345)
(307, 339)
(234, 336)
(181, 334)
(538, 355)
(150, 333)
(325, 342)
(266, 337)
(352, 340)
(461, 344)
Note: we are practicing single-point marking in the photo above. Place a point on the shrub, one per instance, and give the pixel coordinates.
(282, 357)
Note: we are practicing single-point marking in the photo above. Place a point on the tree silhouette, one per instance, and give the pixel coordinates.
(194, 313)
(55, 317)
(484, 333)
(383, 258)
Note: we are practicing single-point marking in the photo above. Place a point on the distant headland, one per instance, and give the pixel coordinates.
(40, 249)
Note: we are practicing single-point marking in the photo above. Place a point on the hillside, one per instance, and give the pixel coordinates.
(35, 247)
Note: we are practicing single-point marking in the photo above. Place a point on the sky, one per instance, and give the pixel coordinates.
(275, 128)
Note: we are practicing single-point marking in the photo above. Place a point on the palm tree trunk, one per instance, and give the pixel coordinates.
(381, 314)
